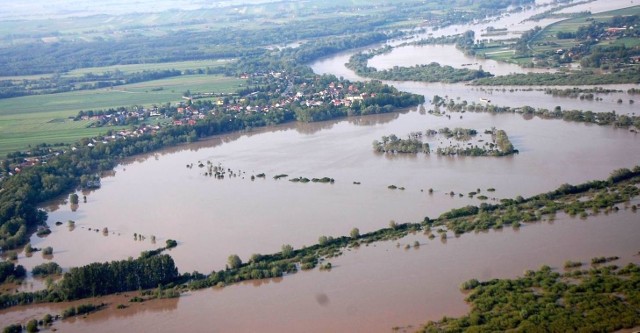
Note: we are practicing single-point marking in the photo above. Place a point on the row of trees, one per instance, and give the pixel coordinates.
(98, 279)
(57, 84)
(600, 118)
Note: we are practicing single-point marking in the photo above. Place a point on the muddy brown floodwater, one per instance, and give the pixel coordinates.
(212, 218)
(372, 288)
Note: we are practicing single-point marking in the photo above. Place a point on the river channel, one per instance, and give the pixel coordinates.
(370, 289)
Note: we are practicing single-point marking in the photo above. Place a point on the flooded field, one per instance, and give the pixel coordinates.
(159, 196)
(168, 195)
(372, 288)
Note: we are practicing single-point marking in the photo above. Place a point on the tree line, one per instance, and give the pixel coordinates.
(432, 72)
(99, 279)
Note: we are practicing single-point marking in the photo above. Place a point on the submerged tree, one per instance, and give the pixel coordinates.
(234, 261)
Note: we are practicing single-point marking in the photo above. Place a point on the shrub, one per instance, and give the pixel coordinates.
(32, 326)
(45, 269)
(171, 243)
(47, 251)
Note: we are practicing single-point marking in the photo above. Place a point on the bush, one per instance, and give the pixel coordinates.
(171, 243)
(32, 326)
(47, 251)
(468, 285)
(13, 328)
(43, 232)
(287, 251)
(234, 261)
(46, 269)
(355, 233)
(69, 312)
(73, 198)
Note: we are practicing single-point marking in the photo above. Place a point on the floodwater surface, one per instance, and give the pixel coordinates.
(167, 195)
(213, 218)
(372, 288)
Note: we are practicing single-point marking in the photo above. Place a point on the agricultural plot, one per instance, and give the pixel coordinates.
(31, 120)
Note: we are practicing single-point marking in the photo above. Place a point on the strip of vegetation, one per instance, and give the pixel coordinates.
(581, 93)
(583, 77)
(81, 309)
(56, 84)
(432, 72)
(602, 299)
(325, 180)
(599, 118)
(394, 145)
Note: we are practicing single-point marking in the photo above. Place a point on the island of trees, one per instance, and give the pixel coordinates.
(393, 144)
(600, 299)
(500, 145)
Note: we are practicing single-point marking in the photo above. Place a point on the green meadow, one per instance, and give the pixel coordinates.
(31, 120)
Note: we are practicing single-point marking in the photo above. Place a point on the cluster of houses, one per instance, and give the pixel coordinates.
(609, 34)
(301, 95)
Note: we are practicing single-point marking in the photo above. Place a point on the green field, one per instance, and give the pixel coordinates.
(36, 119)
(133, 68)
(501, 53)
(548, 34)
(182, 65)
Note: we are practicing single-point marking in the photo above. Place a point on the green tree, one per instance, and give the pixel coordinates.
(355, 233)
(32, 326)
(287, 250)
(13, 328)
(73, 198)
(28, 249)
(234, 261)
